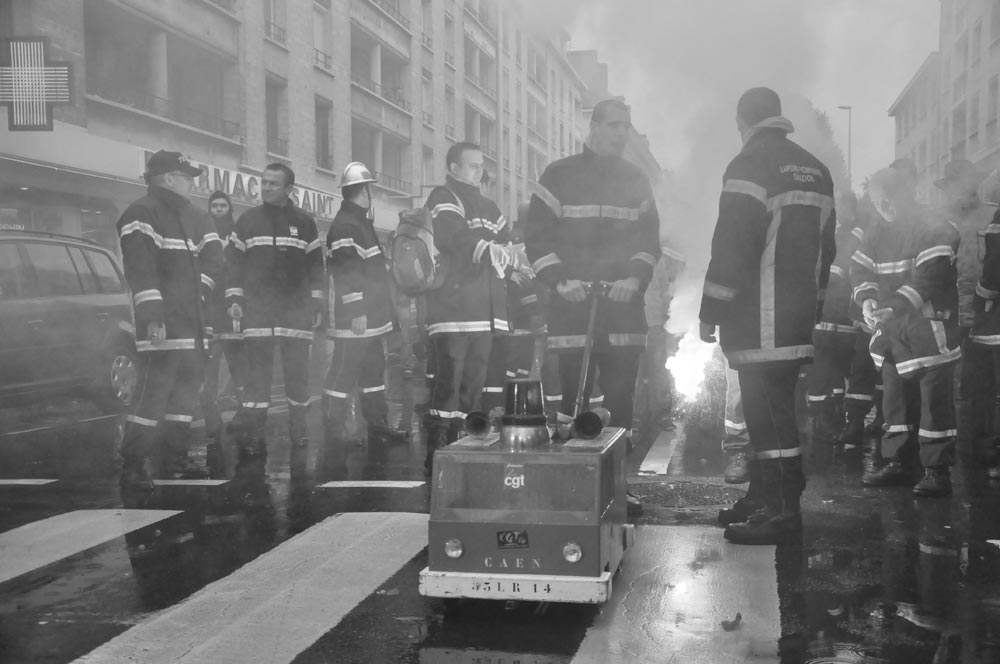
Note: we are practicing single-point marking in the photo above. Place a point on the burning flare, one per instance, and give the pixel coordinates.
(688, 364)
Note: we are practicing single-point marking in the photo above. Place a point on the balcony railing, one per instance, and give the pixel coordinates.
(322, 60)
(427, 41)
(393, 95)
(393, 12)
(172, 110)
(277, 145)
(428, 119)
(449, 59)
(274, 32)
(393, 182)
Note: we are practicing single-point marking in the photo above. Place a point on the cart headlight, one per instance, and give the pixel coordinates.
(453, 548)
(572, 552)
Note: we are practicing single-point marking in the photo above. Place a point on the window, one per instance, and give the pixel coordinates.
(13, 277)
(274, 116)
(992, 100)
(108, 278)
(324, 155)
(87, 278)
(995, 22)
(321, 47)
(977, 42)
(54, 270)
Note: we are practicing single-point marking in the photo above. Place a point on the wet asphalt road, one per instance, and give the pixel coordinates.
(878, 577)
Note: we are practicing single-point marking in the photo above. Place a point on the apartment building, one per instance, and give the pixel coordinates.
(313, 83)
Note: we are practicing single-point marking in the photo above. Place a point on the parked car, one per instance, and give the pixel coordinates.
(66, 322)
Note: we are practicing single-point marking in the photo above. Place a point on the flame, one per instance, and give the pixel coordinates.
(688, 364)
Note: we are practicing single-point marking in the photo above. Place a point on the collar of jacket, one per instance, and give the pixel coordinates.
(356, 210)
(461, 187)
(779, 123)
(167, 197)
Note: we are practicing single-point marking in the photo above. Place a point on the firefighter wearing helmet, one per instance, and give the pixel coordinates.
(362, 314)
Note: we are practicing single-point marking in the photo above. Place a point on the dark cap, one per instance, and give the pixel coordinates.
(169, 162)
(963, 171)
(758, 104)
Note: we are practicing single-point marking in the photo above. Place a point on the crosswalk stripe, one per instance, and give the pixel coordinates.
(26, 482)
(676, 587)
(273, 608)
(189, 482)
(657, 460)
(373, 484)
(50, 540)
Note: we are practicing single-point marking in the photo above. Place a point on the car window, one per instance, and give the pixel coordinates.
(87, 277)
(13, 276)
(54, 269)
(108, 278)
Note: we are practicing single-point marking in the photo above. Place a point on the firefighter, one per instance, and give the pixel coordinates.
(471, 305)
(834, 336)
(276, 291)
(985, 332)
(771, 255)
(974, 404)
(593, 219)
(363, 314)
(904, 278)
(172, 258)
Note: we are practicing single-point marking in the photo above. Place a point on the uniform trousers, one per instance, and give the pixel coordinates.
(616, 371)
(166, 397)
(737, 436)
(233, 349)
(924, 397)
(358, 363)
(460, 364)
(295, 369)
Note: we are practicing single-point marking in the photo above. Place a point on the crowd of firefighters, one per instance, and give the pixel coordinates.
(212, 286)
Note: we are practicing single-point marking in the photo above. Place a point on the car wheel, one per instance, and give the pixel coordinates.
(118, 378)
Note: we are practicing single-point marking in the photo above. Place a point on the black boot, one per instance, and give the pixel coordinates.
(215, 458)
(782, 481)
(854, 430)
(437, 438)
(179, 466)
(737, 466)
(893, 473)
(936, 483)
(748, 504)
(298, 460)
(136, 476)
(766, 526)
(381, 432)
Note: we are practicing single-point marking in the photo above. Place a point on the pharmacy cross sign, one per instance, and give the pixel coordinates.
(30, 85)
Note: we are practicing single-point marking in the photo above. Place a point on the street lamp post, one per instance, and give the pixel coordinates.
(850, 181)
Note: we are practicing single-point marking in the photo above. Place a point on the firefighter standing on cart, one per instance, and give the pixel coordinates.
(593, 219)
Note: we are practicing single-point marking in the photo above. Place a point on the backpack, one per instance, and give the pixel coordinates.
(414, 259)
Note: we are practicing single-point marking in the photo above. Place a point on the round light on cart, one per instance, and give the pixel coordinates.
(572, 552)
(453, 548)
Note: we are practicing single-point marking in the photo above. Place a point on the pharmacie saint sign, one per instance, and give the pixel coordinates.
(31, 84)
(245, 188)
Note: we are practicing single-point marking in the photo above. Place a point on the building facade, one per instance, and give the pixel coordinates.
(312, 83)
(951, 107)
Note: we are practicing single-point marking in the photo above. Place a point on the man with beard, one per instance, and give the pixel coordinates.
(904, 279)
(771, 256)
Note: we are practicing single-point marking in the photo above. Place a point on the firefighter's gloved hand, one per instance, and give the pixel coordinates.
(359, 325)
(235, 311)
(883, 315)
(156, 332)
(572, 290)
(623, 290)
(868, 309)
(501, 258)
(519, 278)
(707, 332)
(520, 260)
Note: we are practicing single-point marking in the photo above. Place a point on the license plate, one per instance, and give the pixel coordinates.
(512, 539)
(519, 587)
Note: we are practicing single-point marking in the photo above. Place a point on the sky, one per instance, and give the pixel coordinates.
(682, 64)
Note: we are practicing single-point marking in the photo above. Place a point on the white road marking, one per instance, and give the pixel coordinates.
(190, 482)
(675, 587)
(657, 460)
(279, 604)
(44, 542)
(372, 484)
(26, 482)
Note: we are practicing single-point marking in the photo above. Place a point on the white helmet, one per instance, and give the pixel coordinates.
(356, 173)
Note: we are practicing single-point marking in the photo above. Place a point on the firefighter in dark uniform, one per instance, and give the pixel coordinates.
(276, 291)
(362, 314)
(593, 219)
(834, 336)
(172, 258)
(470, 306)
(771, 256)
(985, 331)
(904, 278)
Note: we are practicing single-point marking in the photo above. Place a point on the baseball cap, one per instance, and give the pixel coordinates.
(169, 162)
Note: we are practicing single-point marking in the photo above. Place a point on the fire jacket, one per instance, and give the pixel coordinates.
(593, 218)
(909, 266)
(771, 252)
(472, 298)
(986, 328)
(971, 225)
(836, 314)
(172, 258)
(277, 272)
(359, 273)
(222, 326)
